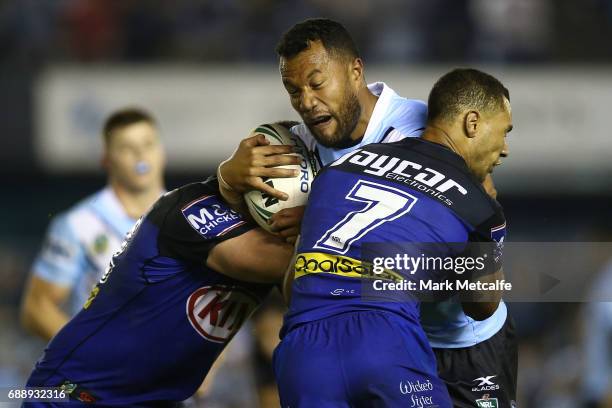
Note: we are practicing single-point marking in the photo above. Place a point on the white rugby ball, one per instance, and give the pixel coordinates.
(261, 205)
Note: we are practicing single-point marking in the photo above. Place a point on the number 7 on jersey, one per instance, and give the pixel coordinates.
(383, 203)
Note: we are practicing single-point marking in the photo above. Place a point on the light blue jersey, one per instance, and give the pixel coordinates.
(395, 118)
(80, 243)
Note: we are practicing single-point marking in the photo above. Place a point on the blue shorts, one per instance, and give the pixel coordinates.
(358, 359)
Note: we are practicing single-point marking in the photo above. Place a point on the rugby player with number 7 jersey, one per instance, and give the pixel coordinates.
(189, 274)
(324, 77)
(343, 347)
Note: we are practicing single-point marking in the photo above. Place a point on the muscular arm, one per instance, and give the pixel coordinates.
(253, 160)
(255, 256)
(290, 274)
(40, 311)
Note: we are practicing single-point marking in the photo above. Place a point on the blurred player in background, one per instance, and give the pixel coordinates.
(169, 303)
(81, 241)
(324, 76)
(597, 343)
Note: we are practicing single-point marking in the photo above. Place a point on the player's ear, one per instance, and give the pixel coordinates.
(356, 70)
(471, 123)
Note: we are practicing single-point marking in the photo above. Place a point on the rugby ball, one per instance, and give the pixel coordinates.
(261, 205)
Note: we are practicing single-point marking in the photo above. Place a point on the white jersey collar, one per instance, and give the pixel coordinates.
(111, 209)
(385, 96)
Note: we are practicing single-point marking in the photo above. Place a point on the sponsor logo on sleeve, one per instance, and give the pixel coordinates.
(100, 244)
(211, 217)
(498, 234)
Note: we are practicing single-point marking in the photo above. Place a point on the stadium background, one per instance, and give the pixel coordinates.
(207, 70)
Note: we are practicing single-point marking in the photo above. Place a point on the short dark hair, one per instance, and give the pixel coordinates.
(334, 37)
(463, 89)
(125, 117)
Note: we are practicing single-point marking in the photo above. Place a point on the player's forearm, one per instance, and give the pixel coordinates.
(231, 196)
(481, 304)
(479, 310)
(289, 275)
(255, 256)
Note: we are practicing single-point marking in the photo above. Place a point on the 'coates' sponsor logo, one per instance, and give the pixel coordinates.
(317, 262)
(217, 312)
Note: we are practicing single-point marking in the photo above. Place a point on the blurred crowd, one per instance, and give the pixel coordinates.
(397, 31)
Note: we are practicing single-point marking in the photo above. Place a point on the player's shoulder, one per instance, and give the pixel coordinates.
(79, 214)
(450, 164)
(413, 106)
(406, 116)
(85, 204)
(195, 208)
(302, 131)
(399, 105)
(185, 195)
(408, 113)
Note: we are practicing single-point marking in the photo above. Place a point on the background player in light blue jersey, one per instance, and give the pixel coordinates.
(324, 77)
(81, 241)
(597, 342)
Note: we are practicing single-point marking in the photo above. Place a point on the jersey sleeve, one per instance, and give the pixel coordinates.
(487, 241)
(196, 221)
(62, 257)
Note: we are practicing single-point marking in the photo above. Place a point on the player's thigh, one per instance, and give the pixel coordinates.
(390, 364)
(403, 387)
(482, 375)
(307, 368)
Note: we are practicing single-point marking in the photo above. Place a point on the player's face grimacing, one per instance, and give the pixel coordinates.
(323, 89)
(492, 144)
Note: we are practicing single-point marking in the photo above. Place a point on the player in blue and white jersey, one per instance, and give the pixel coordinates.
(323, 75)
(81, 241)
(190, 273)
(343, 345)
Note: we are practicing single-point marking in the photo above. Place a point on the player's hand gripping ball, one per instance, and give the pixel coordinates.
(261, 205)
